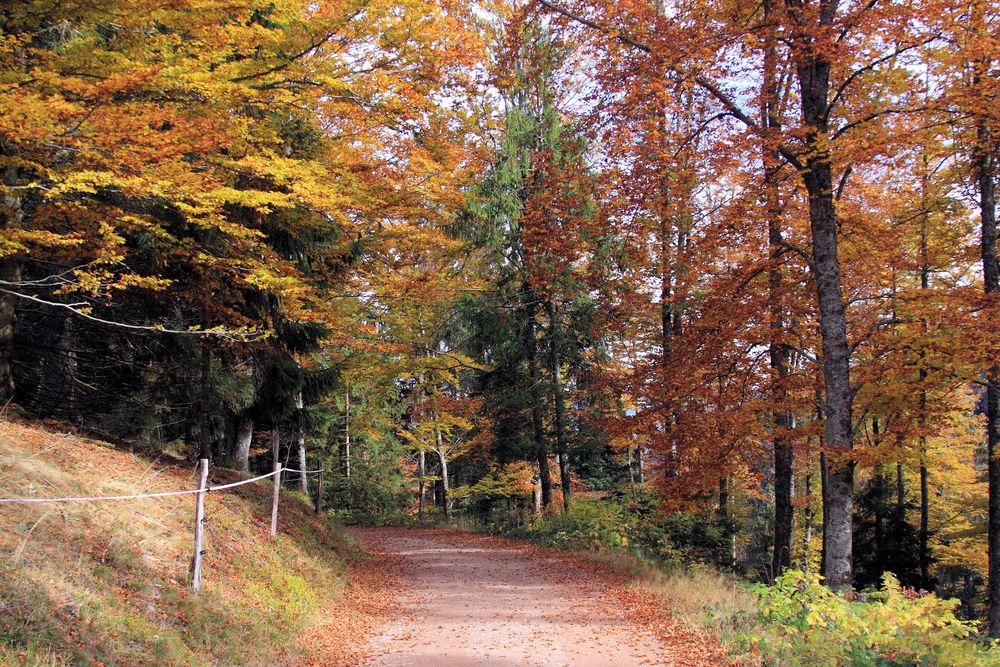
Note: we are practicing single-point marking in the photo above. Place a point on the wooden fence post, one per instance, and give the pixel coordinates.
(274, 502)
(318, 507)
(275, 453)
(199, 526)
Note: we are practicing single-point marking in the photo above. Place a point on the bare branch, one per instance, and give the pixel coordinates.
(711, 87)
(222, 333)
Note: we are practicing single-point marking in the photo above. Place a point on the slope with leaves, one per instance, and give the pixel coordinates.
(105, 583)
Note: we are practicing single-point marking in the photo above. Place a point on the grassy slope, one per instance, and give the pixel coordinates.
(106, 583)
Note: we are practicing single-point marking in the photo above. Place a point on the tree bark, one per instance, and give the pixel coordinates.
(55, 392)
(276, 448)
(813, 73)
(557, 399)
(631, 472)
(782, 424)
(11, 216)
(204, 423)
(421, 484)
(925, 554)
(346, 451)
(727, 527)
(639, 456)
(666, 259)
(784, 514)
(300, 442)
(808, 522)
(881, 485)
(244, 438)
(445, 501)
(10, 271)
(534, 377)
(900, 491)
(985, 164)
(925, 275)
(666, 322)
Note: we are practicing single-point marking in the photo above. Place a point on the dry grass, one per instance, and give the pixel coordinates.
(107, 583)
(711, 602)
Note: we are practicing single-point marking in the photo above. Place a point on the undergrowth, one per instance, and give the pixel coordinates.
(805, 623)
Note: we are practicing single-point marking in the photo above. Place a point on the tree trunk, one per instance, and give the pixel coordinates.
(276, 449)
(204, 423)
(346, 452)
(723, 515)
(318, 505)
(536, 495)
(68, 368)
(631, 472)
(11, 216)
(639, 456)
(10, 271)
(881, 486)
(784, 513)
(900, 492)
(300, 441)
(985, 165)
(666, 322)
(534, 377)
(445, 501)
(557, 399)
(55, 393)
(925, 554)
(836, 374)
(303, 478)
(925, 273)
(443, 459)
(813, 74)
(777, 351)
(807, 522)
(421, 484)
(244, 438)
(969, 595)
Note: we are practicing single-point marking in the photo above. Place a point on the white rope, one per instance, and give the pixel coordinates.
(161, 494)
(303, 472)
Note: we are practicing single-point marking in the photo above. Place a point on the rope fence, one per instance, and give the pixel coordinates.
(161, 494)
(200, 492)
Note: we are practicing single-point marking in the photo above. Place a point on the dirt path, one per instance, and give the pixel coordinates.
(474, 600)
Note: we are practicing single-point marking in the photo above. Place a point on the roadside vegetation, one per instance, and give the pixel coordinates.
(107, 582)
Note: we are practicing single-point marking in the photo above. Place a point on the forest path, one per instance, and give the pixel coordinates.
(469, 599)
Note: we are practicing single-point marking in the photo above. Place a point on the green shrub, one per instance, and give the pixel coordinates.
(806, 623)
(622, 524)
(589, 525)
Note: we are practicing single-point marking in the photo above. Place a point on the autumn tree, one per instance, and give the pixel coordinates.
(213, 173)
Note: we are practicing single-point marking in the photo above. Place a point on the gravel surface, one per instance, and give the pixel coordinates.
(467, 599)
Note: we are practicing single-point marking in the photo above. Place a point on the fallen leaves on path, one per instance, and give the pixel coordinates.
(339, 640)
(465, 598)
